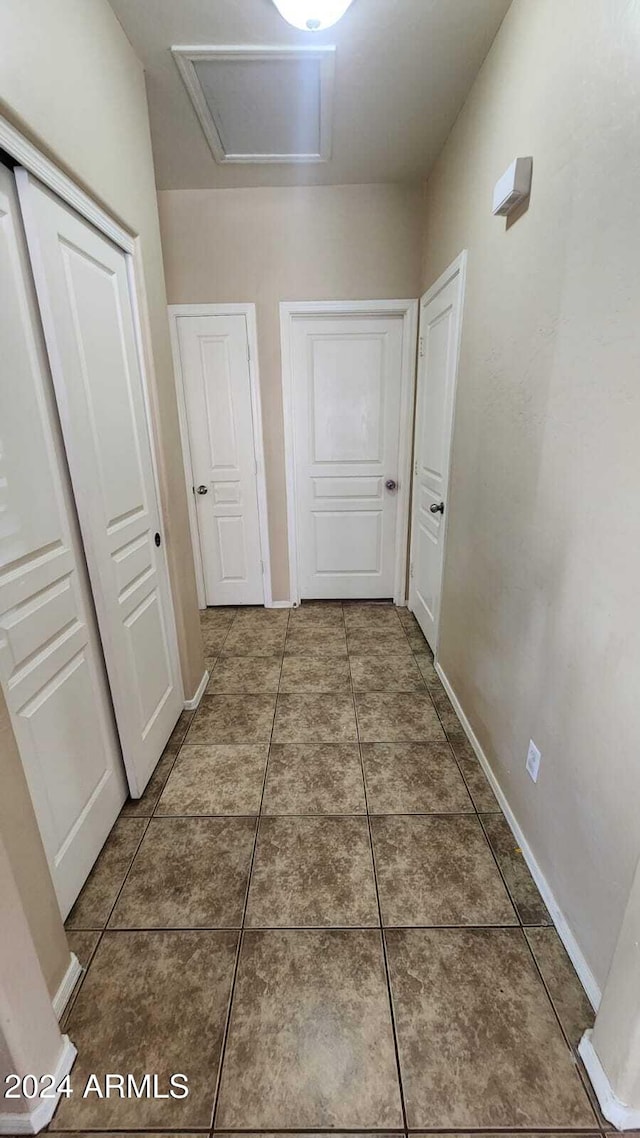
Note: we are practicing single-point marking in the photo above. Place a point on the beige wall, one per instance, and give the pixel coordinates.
(304, 243)
(541, 605)
(70, 80)
(21, 837)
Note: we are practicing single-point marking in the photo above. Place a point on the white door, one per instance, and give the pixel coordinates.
(346, 376)
(83, 290)
(214, 360)
(440, 324)
(51, 665)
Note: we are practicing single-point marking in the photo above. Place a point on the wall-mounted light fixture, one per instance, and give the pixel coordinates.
(312, 15)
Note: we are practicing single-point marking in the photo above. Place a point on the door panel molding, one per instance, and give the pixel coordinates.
(408, 311)
(177, 311)
(430, 484)
(84, 288)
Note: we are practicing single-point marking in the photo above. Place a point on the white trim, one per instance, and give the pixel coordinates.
(68, 983)
(620, 1115)
(191, 704)
(176, 311)
(33, 160)
(280, 605)
(408, 309)
(456, 268)
(587, 979)
(186, 56)
(43, 1110)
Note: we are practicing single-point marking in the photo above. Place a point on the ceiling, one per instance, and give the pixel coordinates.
(402, 71)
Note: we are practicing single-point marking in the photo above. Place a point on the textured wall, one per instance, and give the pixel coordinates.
(541, 612)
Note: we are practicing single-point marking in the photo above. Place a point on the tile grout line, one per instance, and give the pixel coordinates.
(227, 1026)
(383, 943)
(101, 931)
(520, 925)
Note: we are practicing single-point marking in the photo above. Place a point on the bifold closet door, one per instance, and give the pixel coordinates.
(51, 665)
(84, 295)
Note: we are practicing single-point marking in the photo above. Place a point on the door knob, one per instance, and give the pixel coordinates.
(437, 508)
(202, 490)
(390, 484)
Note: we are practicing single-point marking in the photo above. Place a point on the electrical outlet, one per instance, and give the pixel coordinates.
(533, 760)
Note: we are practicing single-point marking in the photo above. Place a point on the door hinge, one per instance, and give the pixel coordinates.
(415, 468)
(411, 569)
(248, 353)
(262, 567)
(421, 347)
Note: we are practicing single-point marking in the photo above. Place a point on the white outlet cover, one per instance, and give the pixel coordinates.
(533, 760)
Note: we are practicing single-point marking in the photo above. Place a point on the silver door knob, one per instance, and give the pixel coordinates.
(390, 484)
(202, 490)
(437, 508)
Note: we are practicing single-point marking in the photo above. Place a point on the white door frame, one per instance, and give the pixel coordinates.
(249, 313)
(51, 176)
(456, 268)
(408, 309)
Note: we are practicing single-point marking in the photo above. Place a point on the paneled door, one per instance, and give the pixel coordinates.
(84, 295)
(51, 665)
(347, 411)
(440, 326)
(214, 361)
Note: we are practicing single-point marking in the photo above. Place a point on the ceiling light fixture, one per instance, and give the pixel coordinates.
(312, 15)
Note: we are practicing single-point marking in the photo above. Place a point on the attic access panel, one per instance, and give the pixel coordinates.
(261, 104)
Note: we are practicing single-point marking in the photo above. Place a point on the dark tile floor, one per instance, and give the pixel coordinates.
(317, 911)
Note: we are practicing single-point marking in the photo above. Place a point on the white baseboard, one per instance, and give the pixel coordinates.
(587, 979)
(34, 1120)
(191, 704)
(620, 1115)
(69, 981)
(279, 605)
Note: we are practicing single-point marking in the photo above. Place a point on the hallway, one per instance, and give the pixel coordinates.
(322, 792)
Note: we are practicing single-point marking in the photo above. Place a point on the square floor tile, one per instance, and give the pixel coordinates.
(233, 719)
(424, 660)
(397, 718)
(479, 1044)
(177, 736)
(144, 806)
(311, 872)
(328, 718)
(247, 674)
(448, 717)
(216, 778)
(92, 909)
(478, 786)
(188, 873)
(523, 889)
(378, 642)
(157, 1003)
(253, 640)
(413, 778)
(569, 997)
(314, 778)
(437, 870)
(313, 614)
(385, 673)
(371, 616)
(311, 640)
(315, 674)
(213, 640)
(310, 1041)
(221, 618)
(83, 945)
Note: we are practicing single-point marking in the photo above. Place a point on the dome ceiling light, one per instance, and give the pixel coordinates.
(312, 15)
